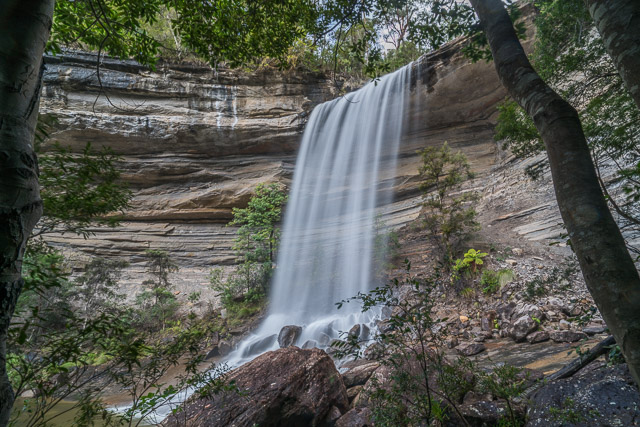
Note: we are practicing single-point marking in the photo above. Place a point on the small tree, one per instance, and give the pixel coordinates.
(79, 191)
(449, 217)
(158, 302)
(259, 235)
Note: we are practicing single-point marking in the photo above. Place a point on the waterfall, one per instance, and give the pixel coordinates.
(343, 174)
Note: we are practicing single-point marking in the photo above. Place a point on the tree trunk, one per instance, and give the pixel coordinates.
(618, 22)
(24, 30)
(606, 265)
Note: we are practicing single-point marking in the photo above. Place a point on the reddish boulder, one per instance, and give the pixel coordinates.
(286, 387)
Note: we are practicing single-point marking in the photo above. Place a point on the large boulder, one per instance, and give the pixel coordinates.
(287, 387)
(605, 396)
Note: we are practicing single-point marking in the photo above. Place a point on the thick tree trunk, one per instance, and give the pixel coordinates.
(24, 30)
(618, 22)
(606, 265)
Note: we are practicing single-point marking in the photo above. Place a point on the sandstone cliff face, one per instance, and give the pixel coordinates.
(196, 142)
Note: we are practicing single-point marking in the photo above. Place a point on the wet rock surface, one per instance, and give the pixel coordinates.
(604, 396)
(287, 387)
(289, 335)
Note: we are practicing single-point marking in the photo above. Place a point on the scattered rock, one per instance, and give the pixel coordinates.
(287, 387)
(262, 345)
(451, 342)
(602, 397)
(488, 320)
(522, 327)
(353, 392)
(357, 417)
(224, 348)
(384, 326)
(354, 332)
(470, 348)
(386, 312)
(324, 339)
(538, 336)
(525, 309)
(374, 352)
(310, 344)
(359, 375)
(564, 325)
(365, 332)
(332, 417)
(505, 311)
(576, 310)
(289, 335)
(215, 338)
(567, 336)
(238, 330)
(594, 329)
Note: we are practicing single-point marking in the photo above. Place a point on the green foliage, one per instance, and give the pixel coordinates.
(467, 292)
(508, 383)
(57, 352)
(449, 217)
(472, 260)
(44, 302)
(570, 55)
(517, 131)
(77, 360)
(236, 31)
(492, 281)
(569, 413)
(258, 235)
(80, 190)
(243, 292)
(422, 386)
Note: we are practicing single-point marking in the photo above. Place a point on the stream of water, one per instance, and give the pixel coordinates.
(344, 173)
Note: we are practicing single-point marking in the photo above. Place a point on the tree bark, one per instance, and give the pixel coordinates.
(618, 22)
(24, 30)
(607, 267)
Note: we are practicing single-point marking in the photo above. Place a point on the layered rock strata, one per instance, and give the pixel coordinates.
(195, 142)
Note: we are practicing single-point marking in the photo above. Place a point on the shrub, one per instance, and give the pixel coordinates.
(157, 303)
(449, 217)
(492, 281)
